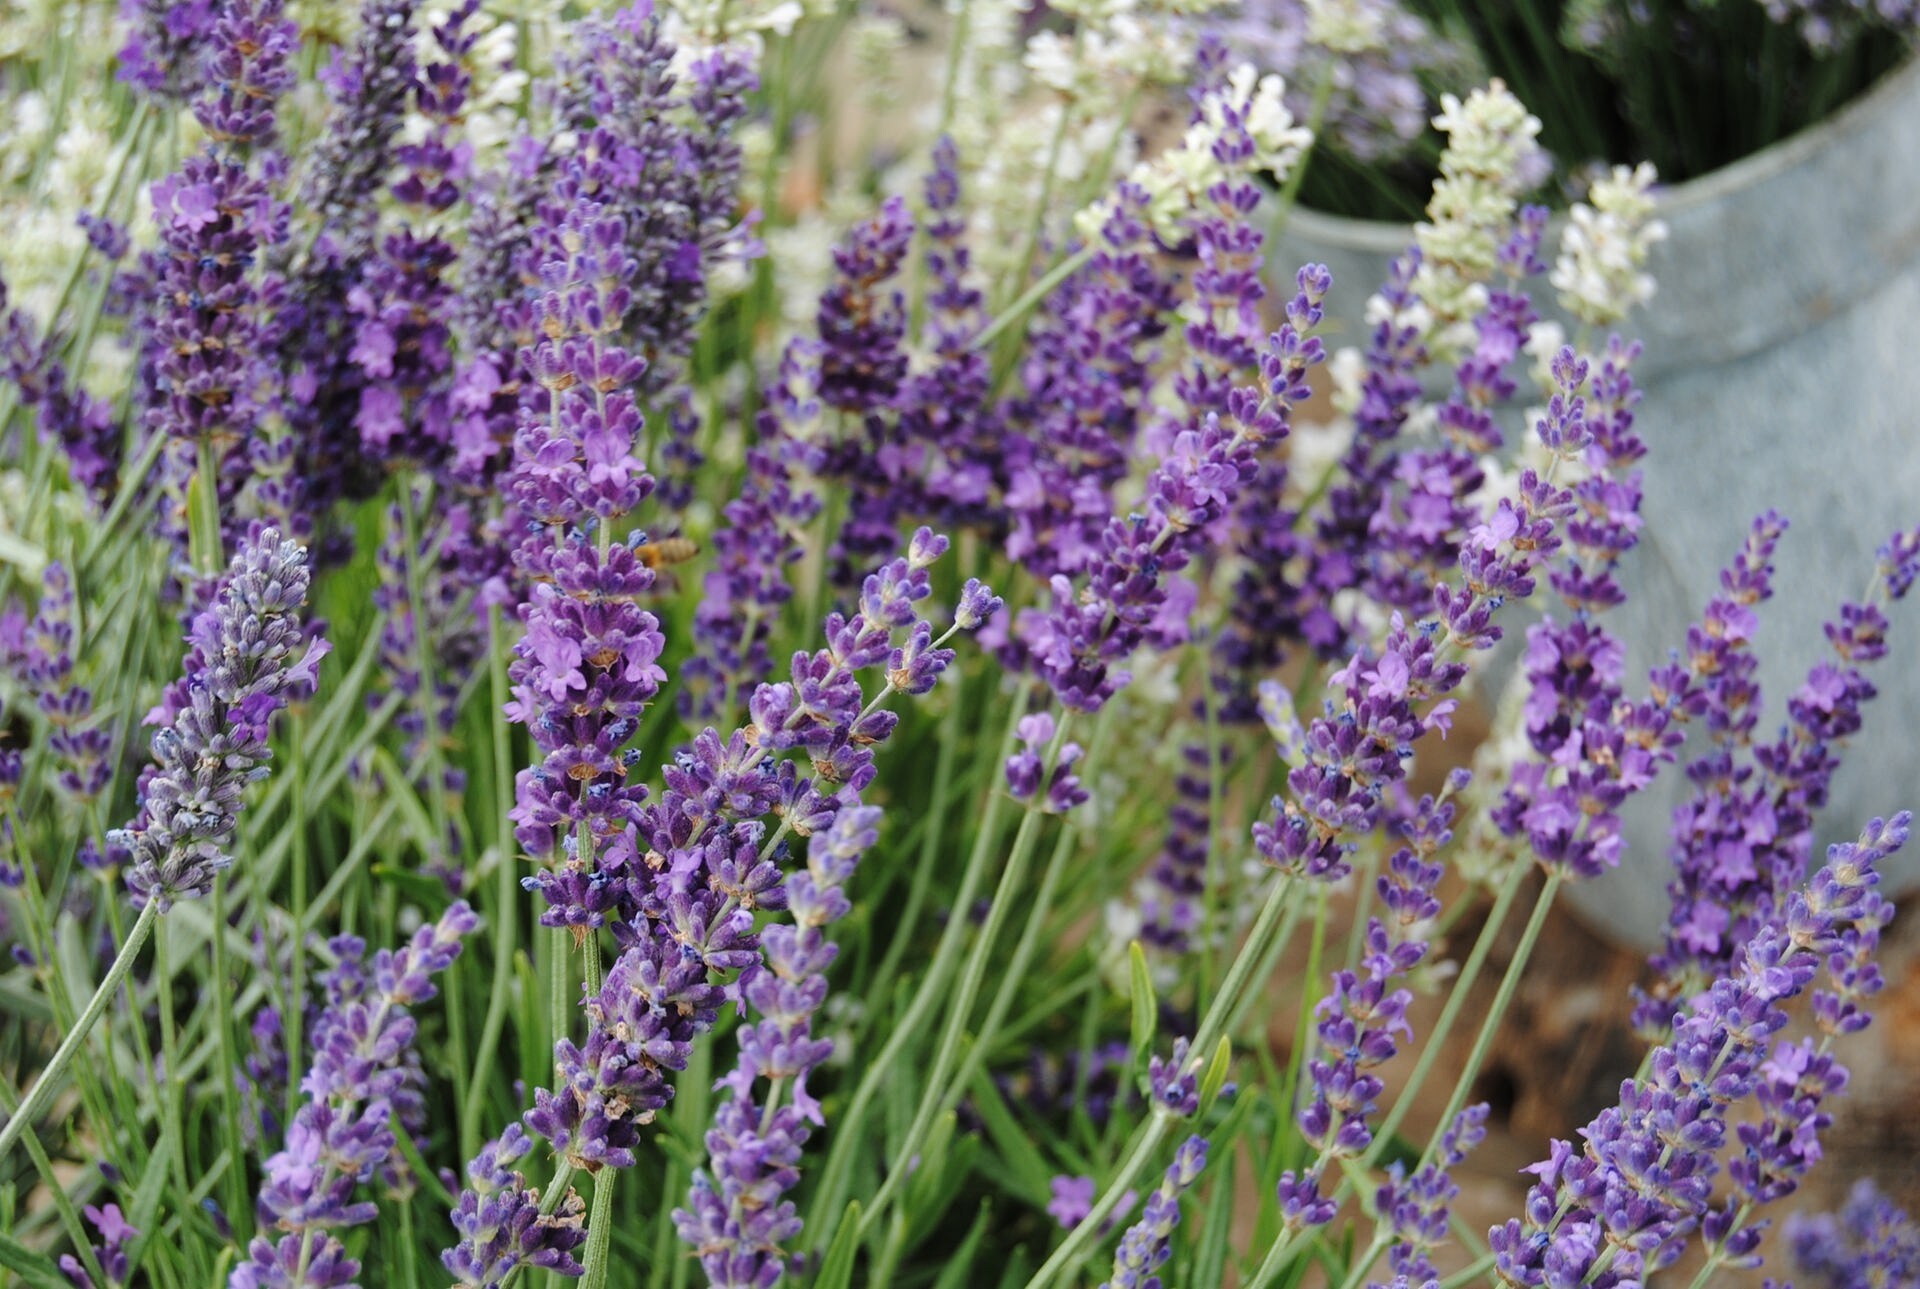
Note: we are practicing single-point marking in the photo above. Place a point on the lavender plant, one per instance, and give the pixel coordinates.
(862, 691)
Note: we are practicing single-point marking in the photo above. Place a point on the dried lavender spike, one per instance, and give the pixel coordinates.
(248, 656)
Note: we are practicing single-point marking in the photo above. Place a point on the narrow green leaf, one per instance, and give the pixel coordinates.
(1146, 1008)
(836, 1269)
(1019, 1268)
(1216, 1076)
(34, 1269)
(1014, 1143)
(930, 1172)
(958, 1273)
(1216, 1230)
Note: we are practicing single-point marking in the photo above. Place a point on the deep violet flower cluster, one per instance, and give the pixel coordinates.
(81, 745)
(1592, 748)
(1173, 891)
(1088, 361)
(367, 87)
(365, 1073)
(500, 1221)
(702, 866)
(1744, 837)
(1125, 601)
(211, 334)
(747, 586)
(162, 53)
(901, 443)
(248, 656)
(735, 1218)
(401, 306)
(1626, 1204)
(81, 424)
(1028, 770)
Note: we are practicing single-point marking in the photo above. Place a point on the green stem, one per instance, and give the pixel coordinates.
(1316, 117)
(229, 1059)
(293, 1015)
(1013, 973)
(1509, 983)
(1147, 1138)
(42, 1090)
(599, 1232)
(971, 977)
(830, 1200)
(172, 1095)
(506, 921)
(1032, 296)
(1450, 1013)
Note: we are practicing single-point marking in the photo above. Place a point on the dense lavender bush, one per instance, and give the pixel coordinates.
(724, 712)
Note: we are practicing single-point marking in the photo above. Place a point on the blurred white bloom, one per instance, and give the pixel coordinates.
(1348, 26)
(1543, 342)
(1314, 449)
(698, 25)
(1490, 159)
(1176, 178)
(875, 41)
(1601, 272)
(1347, 369)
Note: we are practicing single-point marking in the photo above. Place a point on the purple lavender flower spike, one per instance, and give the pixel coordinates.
(1417, 1209)
(367, 91)
(500, 1224)
(81, 746)
(162, 52)
(365, 1073)
(212, 328)
(1362, 1023)
(735, 1217)
(1172, 902)
(1071, 1199)
(1625, 1205)
(1027, 768)
(1145, 1248)
(948, 450)
(248, 656)
(1746, 835)
(111, 1253)
(1089, 358)
(1075, 644)
(696, 865)
(1870, 1241)
(81, 424)
(747, 586)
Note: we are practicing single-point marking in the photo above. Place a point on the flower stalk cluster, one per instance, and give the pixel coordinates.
(248, 656)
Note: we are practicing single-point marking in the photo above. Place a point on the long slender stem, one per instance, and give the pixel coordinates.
(506, 920)
(172, 1094)
(229, 1060)
(599, 1232)
(37, 1096)
(971, 977)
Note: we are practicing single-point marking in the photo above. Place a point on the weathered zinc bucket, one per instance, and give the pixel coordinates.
(1782, 370)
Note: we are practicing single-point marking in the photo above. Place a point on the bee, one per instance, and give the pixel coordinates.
(666, 552)
(662, 555)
